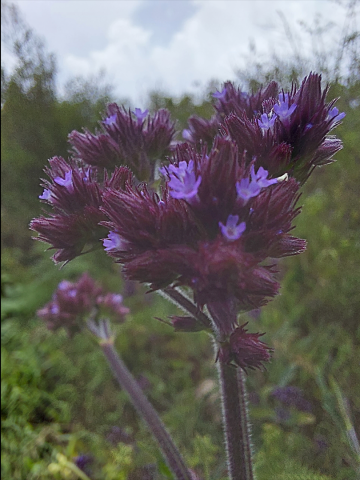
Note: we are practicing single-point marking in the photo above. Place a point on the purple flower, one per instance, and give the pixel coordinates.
(261, 177)
(64, 285)
(265, 122)
(292, 396)
(46, 195)
(66, 182)
(283, 111)
(113, 242)
(110, 120)
(220, 95)
(83, 462)
(246, 189)
(54, 309)
(140, 115)
(112, 302)
(72, 303)
(231, 230)
(334, 112)
(183, 181)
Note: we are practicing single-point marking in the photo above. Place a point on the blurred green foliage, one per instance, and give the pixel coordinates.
(58, 398)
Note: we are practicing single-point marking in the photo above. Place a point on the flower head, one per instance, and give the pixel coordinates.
(73, 302)
(245, 350)
(126, 140)
(217, 245)
(74, 193)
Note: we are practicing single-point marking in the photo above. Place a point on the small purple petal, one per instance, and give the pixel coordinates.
(220, 95)
(65, 182)
(110, 120)
(113, 242)
(183, 182)
(334, 113)
(265, 122)
(261, 177)
(117, 298)
(54, 309)
(140, 115)
(283, 111)
(231, 230)
(64, 284)
(86, 176)
(46, 195)
(246, 189)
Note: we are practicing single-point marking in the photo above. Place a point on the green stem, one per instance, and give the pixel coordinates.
(140, 402)
(236, 423)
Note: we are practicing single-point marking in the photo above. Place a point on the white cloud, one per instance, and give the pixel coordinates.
(211, 43)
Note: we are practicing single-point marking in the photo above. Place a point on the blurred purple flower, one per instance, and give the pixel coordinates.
(292, 396)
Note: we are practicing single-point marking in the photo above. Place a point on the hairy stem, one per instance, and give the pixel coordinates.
(145, 410)
(187, 305)
(236, 423)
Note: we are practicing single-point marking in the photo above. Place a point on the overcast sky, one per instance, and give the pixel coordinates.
(174, 45)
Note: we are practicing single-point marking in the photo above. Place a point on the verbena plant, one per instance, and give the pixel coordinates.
(203, 221)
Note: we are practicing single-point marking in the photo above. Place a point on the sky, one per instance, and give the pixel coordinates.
(176, 46)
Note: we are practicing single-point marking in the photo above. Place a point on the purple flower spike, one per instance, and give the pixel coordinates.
(334, 113)
(261, 177)
(246, 189)
(66, 182)
(140, 115)
(183, 182)
(110, 120)
(46, 195)
(283, 111)
(113, 242)
(231, 230)
(220, 95)
(265, 122)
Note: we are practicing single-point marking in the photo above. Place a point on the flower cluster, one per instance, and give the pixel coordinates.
(223, 213)
(72, 302)
(127, 138)
(212, 228)
(285, 132)
(74, 192)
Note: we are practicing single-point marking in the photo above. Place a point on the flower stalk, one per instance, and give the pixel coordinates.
(236, 423)
(141, 403)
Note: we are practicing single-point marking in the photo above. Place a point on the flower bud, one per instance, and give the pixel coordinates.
(244, 350)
